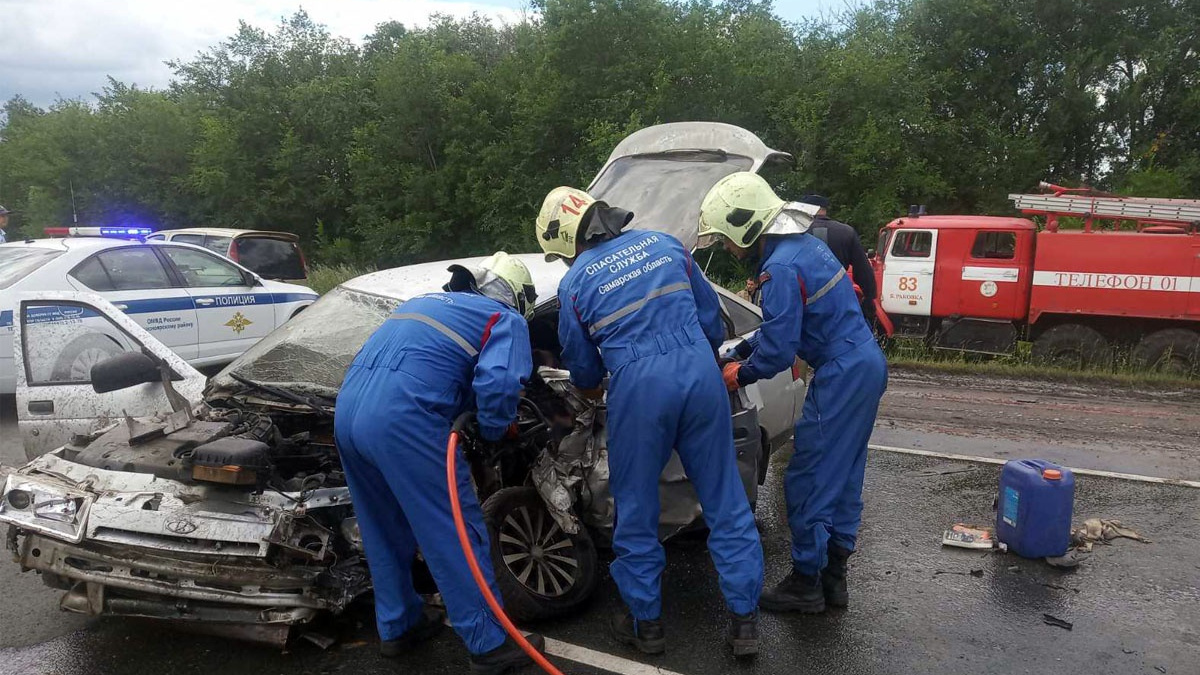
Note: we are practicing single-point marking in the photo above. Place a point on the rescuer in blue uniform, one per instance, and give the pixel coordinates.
(810, 310)
(634, 304)
(435, 357)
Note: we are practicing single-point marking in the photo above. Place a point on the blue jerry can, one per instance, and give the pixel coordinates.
(1036, 502)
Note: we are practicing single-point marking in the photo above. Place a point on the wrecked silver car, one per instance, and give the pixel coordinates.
(231, 509)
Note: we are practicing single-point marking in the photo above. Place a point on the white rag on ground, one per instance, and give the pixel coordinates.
(1097, 530)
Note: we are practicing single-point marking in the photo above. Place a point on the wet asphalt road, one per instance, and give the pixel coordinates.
(916, 607)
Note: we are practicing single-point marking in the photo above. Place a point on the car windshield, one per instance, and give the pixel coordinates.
(16, 263)
(664, 191)
(310, 353)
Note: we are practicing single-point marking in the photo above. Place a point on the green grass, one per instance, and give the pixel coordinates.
(913, 355)
(324, 278)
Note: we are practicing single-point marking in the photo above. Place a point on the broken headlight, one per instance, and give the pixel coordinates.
(48, 509)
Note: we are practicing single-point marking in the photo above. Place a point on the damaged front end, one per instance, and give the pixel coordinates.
(156, 528)
(571, 471)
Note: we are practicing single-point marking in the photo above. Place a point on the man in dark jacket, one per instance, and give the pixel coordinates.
(847, 248)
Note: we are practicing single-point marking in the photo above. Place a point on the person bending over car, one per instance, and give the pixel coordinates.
(634, 304)
(422, 368)
(810, 310)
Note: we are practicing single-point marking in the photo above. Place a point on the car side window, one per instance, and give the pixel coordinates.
(744, 320)
(218, 245)
(201, 270)
(91, 273)
(196, 239)
(62, 341)
(995, 245)
(912, 244)
(134, 269)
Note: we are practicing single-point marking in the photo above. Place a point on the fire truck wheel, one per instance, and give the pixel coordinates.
(1173, 350)
(1073, 345)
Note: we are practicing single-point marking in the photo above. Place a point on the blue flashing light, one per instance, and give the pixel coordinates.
(125, 231)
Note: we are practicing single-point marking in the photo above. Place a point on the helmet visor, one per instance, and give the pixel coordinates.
(497, 288)
(708, 240)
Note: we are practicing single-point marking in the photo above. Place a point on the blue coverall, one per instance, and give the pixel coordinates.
(637, 306)
(436, 356)
(810, 310)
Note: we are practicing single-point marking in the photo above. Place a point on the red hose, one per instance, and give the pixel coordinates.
(469, 552)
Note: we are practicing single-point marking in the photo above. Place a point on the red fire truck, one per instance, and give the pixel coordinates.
(1130, 277)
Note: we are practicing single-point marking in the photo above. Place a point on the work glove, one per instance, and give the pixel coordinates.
(858, 291)
(730, 374)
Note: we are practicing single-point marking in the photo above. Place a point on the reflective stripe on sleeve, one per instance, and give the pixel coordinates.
(829, 285)
(635, 306)
(441, 328)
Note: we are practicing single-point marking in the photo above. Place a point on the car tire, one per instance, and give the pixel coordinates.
(1074, 346)
(1174, 350)
(75, 362)
(542, 571)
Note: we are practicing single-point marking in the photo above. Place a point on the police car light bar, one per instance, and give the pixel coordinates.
(115, 232)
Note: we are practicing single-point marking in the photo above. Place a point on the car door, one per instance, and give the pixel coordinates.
(991, 277)
(1194, 297)
(55, 399)
(908, 272)
(779, 398)
(233, 311)
(137, 282)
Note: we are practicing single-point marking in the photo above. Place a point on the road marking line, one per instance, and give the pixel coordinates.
(590, 657)
(601, 660)
(993, 460)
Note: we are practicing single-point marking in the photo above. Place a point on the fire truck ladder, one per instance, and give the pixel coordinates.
(1102, 206)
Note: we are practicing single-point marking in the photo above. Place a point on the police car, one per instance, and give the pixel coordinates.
(207, 309)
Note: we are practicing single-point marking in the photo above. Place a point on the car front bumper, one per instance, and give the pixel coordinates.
(149, 547)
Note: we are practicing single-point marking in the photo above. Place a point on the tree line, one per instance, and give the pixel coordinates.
(432, 142)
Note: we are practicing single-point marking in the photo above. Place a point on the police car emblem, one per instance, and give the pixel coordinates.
(238, 323)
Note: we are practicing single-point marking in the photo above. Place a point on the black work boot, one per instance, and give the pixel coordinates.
(796, 593)
(833, 577)
(431, 623)
(648, 637)
(507, 657)
(743, 634)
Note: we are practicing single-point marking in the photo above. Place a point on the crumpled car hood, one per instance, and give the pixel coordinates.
(661, 173)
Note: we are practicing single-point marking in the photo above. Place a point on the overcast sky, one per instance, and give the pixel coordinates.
(53, 49)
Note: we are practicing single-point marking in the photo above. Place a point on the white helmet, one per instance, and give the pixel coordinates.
(739, 208)
(500, 277)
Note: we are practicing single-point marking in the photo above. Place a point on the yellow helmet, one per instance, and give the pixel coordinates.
(501, 277)
(558, 221)
(739, 207)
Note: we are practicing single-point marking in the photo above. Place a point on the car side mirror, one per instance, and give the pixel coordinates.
(251, 279)
(124, 371)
